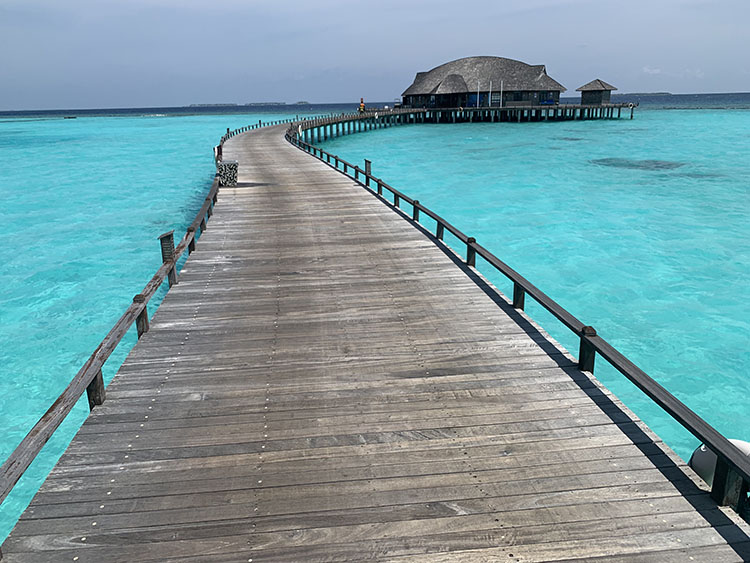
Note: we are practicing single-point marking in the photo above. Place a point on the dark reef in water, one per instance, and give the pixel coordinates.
(699, 175)
(656, 165)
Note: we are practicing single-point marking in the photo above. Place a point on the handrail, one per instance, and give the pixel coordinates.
(89, 377)
(229, 134)
(732, 474)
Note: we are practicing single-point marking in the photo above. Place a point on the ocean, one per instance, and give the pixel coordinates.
(640, 228)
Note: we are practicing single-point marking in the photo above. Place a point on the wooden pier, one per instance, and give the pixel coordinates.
(328, 382)
(322, 130)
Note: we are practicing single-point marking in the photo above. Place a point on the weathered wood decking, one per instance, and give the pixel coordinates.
(327, 384)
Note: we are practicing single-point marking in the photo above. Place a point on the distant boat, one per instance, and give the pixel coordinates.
(302, 103)
(70, 117)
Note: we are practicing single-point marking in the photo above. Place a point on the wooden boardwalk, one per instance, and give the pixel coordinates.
(326, 383)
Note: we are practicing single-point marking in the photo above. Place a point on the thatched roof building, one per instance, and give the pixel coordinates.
(483, 81)
(596, 92)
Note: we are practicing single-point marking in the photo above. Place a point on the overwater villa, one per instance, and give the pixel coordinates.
(484, 82)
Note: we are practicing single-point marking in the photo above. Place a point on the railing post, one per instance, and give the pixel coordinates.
(141, 321)
(471, 253)
(415, 212)
(210, 208)
(356, 174)
(203, 224)
(439, 231)
(368, 172)
(191, 244)
(396, 200)
(586, 352)
(519, 296)
(729, 488)
(167, 255)
(380, 188)
(95, 390)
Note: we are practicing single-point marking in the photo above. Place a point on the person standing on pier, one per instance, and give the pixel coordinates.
(361, 105)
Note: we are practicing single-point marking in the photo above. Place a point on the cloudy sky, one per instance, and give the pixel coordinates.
(137, 53)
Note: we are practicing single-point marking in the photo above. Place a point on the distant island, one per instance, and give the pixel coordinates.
(210, 105)
(249, 104)
(645, 94)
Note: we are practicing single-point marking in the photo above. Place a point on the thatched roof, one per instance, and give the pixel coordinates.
(595, 86)
(452, 83)
(461, 76)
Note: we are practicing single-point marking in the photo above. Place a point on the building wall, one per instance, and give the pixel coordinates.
(469, 99)
(596, 97)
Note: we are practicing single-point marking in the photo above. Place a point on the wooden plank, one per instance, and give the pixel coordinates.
(313, 517)
(386, 478)
(357, 467)
(289, 460)
(590, 538)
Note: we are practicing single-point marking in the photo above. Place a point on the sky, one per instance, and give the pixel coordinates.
(69, 54)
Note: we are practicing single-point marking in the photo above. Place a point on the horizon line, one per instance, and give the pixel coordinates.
(297, 104)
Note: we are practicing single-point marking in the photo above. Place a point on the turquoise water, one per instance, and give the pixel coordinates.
(640, 228)
(83, 203)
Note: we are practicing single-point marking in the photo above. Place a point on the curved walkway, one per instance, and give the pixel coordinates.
(326, 383)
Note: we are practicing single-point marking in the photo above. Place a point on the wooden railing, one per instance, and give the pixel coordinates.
(231, 133)
(732, 473)
(219, 149)
(89, 377)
